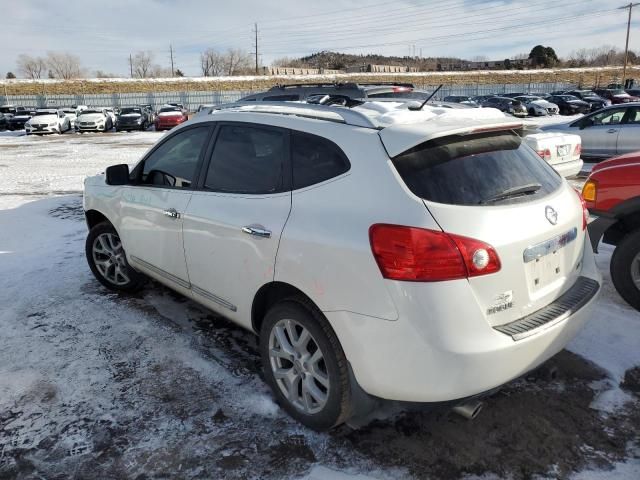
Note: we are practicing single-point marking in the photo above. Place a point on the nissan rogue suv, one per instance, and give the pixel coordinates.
(382, 251)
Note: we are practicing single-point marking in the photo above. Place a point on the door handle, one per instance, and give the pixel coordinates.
(172, 213)
(612, 130)
(257, 230)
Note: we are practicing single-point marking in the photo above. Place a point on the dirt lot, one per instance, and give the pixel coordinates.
(99, 385)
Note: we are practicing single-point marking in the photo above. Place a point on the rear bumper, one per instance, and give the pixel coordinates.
(569, 169)
(443, 358)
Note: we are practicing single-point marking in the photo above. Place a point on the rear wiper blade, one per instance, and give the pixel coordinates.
(527, 189)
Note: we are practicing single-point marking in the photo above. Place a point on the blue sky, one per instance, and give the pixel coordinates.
(103, 34)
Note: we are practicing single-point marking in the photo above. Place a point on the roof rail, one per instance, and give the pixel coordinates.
(308, 110)
(315, 85)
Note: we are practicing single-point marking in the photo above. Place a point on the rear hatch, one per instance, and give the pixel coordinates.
(492, 187)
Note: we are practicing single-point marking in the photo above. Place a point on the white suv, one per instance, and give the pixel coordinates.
(378, 251)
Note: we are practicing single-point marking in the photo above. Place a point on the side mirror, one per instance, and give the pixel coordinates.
(117, 174)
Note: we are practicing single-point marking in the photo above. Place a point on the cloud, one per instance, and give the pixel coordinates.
(104, 34)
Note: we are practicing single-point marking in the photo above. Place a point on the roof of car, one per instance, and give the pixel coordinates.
(400, 124)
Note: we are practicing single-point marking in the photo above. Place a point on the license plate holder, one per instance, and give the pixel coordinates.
(563, 150)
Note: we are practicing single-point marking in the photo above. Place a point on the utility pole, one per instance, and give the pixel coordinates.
(171, 55)
(131, 65)
(626, 47)
(255, 31)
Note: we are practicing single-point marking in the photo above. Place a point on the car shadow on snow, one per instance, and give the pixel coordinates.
(200, 410)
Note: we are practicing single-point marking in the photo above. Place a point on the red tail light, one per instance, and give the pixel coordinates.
(421, 255)
(578, 150)
(585, 210)
(545, 154)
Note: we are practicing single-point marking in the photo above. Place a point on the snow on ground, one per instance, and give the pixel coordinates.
(99, 385)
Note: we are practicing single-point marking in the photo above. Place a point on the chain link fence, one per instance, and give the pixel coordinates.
(192, 99)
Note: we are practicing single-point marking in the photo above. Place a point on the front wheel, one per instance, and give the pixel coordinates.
(625, 269)
(108, 261)
(304, 364)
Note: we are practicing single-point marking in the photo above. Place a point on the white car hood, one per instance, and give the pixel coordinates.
(44, 119)
(22, 117)
(91, 117)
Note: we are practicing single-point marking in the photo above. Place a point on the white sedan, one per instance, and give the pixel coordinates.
(537, 106)
(560, 150)
(48, 120)
(94, 120)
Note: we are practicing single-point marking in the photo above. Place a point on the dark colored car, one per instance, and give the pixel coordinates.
(592, 98)
(3, 122)
(132, 118)
(616, 96)
(170, 116)
(612, 193)
(8, 111)
(151, 113)
(570, 105)
(463, 99)
(634, 92)
(507, 105)
(22, 116)
(302, 91)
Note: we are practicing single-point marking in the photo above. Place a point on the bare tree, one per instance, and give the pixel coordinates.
(236, 62)
(64, 65)
(212, 63)
(142, 64)
(31, 67)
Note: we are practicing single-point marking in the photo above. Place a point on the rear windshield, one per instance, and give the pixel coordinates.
(484, 168)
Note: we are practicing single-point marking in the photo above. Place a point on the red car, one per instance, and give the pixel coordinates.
(169, 117)
(616, 96)
(612, 194)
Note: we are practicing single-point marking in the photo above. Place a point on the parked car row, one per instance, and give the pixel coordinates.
(84, 119)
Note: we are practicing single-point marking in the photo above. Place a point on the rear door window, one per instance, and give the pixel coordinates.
(484, 168)
(247, 159)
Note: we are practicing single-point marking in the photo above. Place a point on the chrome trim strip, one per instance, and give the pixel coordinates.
(557, 311)
(549, 246)
(214, 298)
(162, 273)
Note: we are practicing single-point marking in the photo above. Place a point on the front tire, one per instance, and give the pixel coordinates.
(305, 365)
(108, 261)
(625, 269)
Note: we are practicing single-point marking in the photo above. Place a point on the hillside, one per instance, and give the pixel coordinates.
(581, 76)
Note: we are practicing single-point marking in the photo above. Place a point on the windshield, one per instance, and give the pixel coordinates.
(46, 112)
(473, 169)
(567, 98)
(618, 92)
(169, 109)
(7, 109)
(124, 111)
(90, 111)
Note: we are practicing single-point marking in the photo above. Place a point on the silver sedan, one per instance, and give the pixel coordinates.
(607, 132)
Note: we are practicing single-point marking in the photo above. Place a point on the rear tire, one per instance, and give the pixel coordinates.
(625, 269)
(305, 365)
(108, 261)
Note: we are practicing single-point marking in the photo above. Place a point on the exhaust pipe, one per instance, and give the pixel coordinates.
(469, 410)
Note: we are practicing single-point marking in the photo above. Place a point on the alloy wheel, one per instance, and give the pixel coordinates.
(109, 259)
(298, 366)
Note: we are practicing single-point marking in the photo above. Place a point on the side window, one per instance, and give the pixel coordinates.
(608, 118)
(315, 159)
(247, 159)
(281, 98)
(634, 116)
(173, 164)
